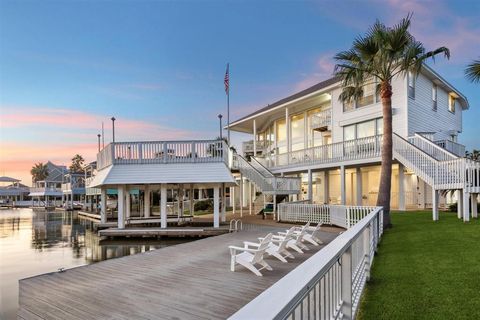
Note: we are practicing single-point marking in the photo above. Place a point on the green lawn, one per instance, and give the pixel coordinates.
(425, 270)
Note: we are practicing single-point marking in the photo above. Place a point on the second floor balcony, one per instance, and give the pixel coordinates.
(351, 150)
(322, 120)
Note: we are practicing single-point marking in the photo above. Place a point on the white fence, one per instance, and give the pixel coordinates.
(342, 216)
(149, 152)
(329, 284)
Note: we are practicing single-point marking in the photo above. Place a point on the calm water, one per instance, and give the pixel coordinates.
(33, 243)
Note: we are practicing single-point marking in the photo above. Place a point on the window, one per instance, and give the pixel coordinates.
(369, 97)
(349, 132)
(298, 132)
(411, 85)
(434, 97)
(281, 136)
(451, 103)
(363, 129)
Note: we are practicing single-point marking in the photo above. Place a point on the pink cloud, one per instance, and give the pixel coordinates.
(322, 70)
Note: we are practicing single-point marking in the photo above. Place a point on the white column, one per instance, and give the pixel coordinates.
(466, 211)
(287, 126)
(200, 193)
(325, 187)
(435, 204)
(241, 195)
(474, 200)
(216, 207)
(128, 200)
(275, 208)
(146, 201)
(254, 138)
(180, 200)
(343, 198)
(359, 190)
(103, 205)
(191, 196)
(459, 204)
(232, 198)
(401, 187)
(310, 188)
(121, 207)
(224, 203)
(250, 198)
(163, 205)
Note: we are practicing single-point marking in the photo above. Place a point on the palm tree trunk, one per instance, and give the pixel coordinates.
(383, 199)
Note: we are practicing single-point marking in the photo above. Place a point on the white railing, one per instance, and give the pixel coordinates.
(268, 183)
(364, 148)
(339, 215)
(454, 147)
(156, 152)
(45, 189)
(329, 284)
(322, 119)
(260, 167)
(261, 145)
(431, 148)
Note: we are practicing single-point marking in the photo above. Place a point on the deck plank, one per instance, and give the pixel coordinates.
(185, 281)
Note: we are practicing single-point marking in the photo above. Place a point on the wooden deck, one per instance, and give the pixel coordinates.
(163, 232)
(186, 281)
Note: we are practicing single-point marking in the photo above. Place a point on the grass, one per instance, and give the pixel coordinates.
(425, 270)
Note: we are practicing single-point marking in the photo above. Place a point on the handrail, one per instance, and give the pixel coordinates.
(260, 167)
(344, 264)
(456, 148)
(431, 148)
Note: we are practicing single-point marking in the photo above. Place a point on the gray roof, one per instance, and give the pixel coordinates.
(8, 179)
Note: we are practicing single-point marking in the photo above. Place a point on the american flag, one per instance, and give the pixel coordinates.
(227, 81)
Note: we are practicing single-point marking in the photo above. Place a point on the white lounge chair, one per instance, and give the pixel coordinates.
(278, 247)
(312, 234)
(249, 257)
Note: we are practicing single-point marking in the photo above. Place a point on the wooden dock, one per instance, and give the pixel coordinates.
(186, 281)
(147, 232)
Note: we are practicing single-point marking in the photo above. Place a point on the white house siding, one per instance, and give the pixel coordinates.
(399, 102)
(422, 117)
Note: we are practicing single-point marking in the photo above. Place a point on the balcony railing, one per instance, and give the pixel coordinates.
(45, 189)
(322, 119)
(364, 148)
(162, 152)
(453, 147)
(262, 145)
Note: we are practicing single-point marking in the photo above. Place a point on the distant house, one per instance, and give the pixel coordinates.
(12, 190)
(49, 191)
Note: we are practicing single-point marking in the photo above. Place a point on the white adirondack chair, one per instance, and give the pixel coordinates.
(312, 234)
(278, 247)
(295, 242)
(250, 257)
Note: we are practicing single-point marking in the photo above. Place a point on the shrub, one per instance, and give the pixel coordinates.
(453, 207)
(203, 205)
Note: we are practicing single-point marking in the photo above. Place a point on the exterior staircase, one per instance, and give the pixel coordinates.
(263, 179)
(435, 165)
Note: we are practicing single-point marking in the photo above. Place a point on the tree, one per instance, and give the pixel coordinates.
(474, 155)
(379, 56)
(39, 172)
(473, 71)
(77, 164)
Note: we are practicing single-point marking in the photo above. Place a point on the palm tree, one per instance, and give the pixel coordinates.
(473, 71)
(379, 56)
(39, 172)
(474, 155)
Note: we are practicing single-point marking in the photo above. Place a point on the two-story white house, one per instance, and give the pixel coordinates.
(335, 147)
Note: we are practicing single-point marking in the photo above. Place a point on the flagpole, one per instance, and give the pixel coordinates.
(228, 105)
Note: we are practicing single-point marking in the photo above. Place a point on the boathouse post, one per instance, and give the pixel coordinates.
(163, 205)
(216, 206)
(146, 208)
(103, 205)
(121, 206)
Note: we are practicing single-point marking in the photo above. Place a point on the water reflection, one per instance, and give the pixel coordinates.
(36, 242)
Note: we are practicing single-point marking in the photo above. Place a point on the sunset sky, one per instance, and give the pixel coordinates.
(158, 67)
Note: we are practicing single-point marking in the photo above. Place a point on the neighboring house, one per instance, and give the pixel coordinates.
(12, 190)
(49, 191)
(335, 147)
(73, 189)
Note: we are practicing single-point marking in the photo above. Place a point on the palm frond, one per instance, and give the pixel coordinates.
(472, 72)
